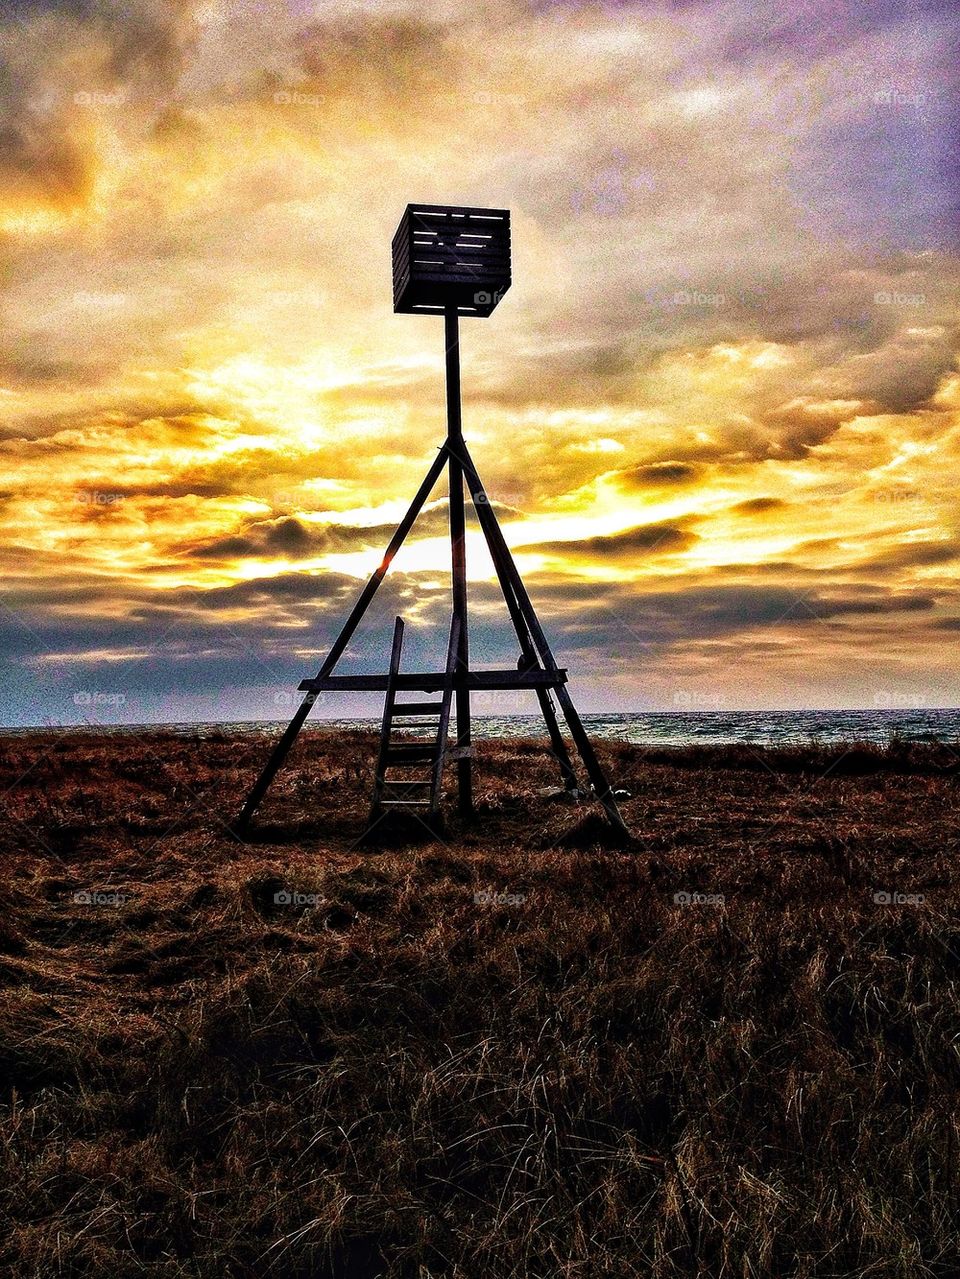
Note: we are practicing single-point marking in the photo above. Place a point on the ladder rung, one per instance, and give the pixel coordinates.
(404, 803)
(416, 708)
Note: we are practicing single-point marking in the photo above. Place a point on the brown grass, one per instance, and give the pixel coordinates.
(396, 1080)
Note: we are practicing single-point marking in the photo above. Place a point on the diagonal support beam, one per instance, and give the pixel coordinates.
(528, 654)
(282, 748)
(499, 548)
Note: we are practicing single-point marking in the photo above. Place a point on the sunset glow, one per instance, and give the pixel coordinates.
(719, 409)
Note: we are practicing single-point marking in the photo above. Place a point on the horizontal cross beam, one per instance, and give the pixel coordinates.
(432, 683)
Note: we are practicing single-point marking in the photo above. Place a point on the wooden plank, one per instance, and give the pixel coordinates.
(464, 249)
(429, 263)
(459, 231)
(456, 288)
(472, 250)
(450, 238)
(425, 271)
(403, 228)
(454, 242)
(432, 682)
(416, 708)
(401, 257)
(458, 212)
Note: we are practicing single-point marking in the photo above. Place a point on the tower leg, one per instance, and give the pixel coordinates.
(558, 746)
(458, 546)
(282, 748)
(498, 546)
(528, 656)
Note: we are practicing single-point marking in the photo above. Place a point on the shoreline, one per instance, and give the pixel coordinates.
(854, 757)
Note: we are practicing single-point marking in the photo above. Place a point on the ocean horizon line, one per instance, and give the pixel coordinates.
(655, 728)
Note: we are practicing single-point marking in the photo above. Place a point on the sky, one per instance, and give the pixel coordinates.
(718, 410)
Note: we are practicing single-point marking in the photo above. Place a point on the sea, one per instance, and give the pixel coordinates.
(649, 728)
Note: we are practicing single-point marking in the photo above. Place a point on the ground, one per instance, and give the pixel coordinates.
(509, 1050)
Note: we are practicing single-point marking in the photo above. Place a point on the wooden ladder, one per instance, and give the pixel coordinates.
(415, 796)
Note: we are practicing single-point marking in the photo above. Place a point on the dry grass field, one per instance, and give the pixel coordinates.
(507, 1051)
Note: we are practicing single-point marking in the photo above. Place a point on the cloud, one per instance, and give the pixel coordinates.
(657, 475)
(64, 60)
(732, 331)
(644, 540)
(600, 617)
(295, 539)
(383, 59)
(916, 554)
(759, 506)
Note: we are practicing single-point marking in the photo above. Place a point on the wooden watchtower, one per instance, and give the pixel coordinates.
(449, 261)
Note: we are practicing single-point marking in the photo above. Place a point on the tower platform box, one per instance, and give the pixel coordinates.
(450, 255)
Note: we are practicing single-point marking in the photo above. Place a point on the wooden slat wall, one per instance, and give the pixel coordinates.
(440, 247)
